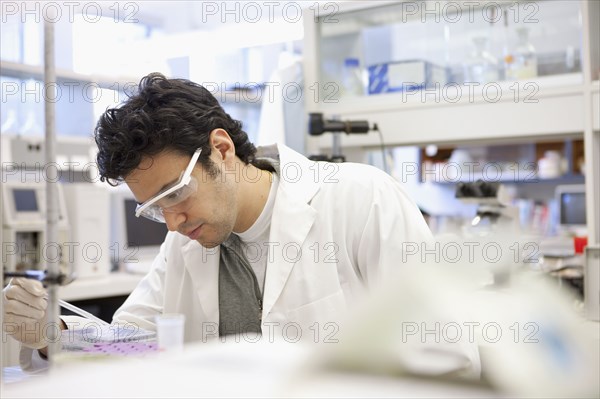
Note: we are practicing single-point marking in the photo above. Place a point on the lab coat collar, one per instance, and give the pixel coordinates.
(292, 219)
(202, 265)
(299, 176)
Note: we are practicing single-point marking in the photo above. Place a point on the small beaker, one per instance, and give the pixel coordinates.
(170, 331)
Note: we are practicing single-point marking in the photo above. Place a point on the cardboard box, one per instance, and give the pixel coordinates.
(405, 76)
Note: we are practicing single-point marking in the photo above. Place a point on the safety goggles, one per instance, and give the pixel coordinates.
(169, 198)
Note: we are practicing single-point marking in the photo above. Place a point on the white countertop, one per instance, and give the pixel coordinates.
(115, 284)
(224, 370)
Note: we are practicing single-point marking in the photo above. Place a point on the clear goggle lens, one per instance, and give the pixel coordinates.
(174, 202)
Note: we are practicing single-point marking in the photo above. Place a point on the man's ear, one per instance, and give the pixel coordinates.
(222, 143)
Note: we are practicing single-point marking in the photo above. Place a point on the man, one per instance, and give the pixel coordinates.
(260, 242)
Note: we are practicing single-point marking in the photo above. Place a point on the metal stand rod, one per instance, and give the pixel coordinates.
(52, 329)
(336, 150)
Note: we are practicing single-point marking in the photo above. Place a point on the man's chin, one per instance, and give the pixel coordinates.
(212, 243)
(208, 245)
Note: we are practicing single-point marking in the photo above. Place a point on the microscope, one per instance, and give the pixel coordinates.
(495, 225)
(493, 204)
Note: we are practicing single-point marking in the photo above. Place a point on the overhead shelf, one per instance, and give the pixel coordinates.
(546, 108)
(23, 71)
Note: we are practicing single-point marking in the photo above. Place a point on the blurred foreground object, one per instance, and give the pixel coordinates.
(592, 282)
(418, 336)
(531, 340)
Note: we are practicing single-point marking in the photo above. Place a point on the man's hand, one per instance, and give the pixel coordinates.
(25, 306)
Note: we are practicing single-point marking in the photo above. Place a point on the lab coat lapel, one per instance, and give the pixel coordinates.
(202, 264)
(291, 222)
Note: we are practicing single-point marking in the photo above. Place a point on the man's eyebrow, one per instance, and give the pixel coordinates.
(163, 188)
(168, 185)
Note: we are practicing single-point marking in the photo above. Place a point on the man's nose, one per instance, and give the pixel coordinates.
(173, 220)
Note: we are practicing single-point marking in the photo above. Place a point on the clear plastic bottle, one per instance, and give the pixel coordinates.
(481, 67)
(525, 58)
(352, 78)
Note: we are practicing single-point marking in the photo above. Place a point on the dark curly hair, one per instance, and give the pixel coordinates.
(174, 114)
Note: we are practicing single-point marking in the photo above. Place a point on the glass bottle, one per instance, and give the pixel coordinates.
(481, 67)
(352, 78)
(507, 48)
(524, 65)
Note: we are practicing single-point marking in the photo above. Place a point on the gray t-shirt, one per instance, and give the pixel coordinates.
(242, 272)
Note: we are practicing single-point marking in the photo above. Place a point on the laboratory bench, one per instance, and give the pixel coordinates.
(226, 370)
(231, 369)
(244, 369)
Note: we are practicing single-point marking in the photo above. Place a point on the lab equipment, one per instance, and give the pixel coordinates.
(81, 312)
(24, 245)
(352, 78)
(135, 242)
(524, 65)
(32, 274)
(551, 165)
(170, 331)
(122, 348)
(88, 211)
(24, 211)
(94, 336)
(492, 201)
(406, 75)
(52, 191)
(317, 125)
(23, 158)
(507, 49)
(102, 337)
(494, 217)
(481, 67)
(570, 199)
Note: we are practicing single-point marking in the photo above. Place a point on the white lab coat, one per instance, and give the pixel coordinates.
(336, 230)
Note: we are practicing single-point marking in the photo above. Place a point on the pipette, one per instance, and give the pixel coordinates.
(81, 312)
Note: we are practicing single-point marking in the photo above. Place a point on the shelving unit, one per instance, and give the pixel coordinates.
(564, 106)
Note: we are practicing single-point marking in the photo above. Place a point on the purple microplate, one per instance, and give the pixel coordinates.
(123, 348)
